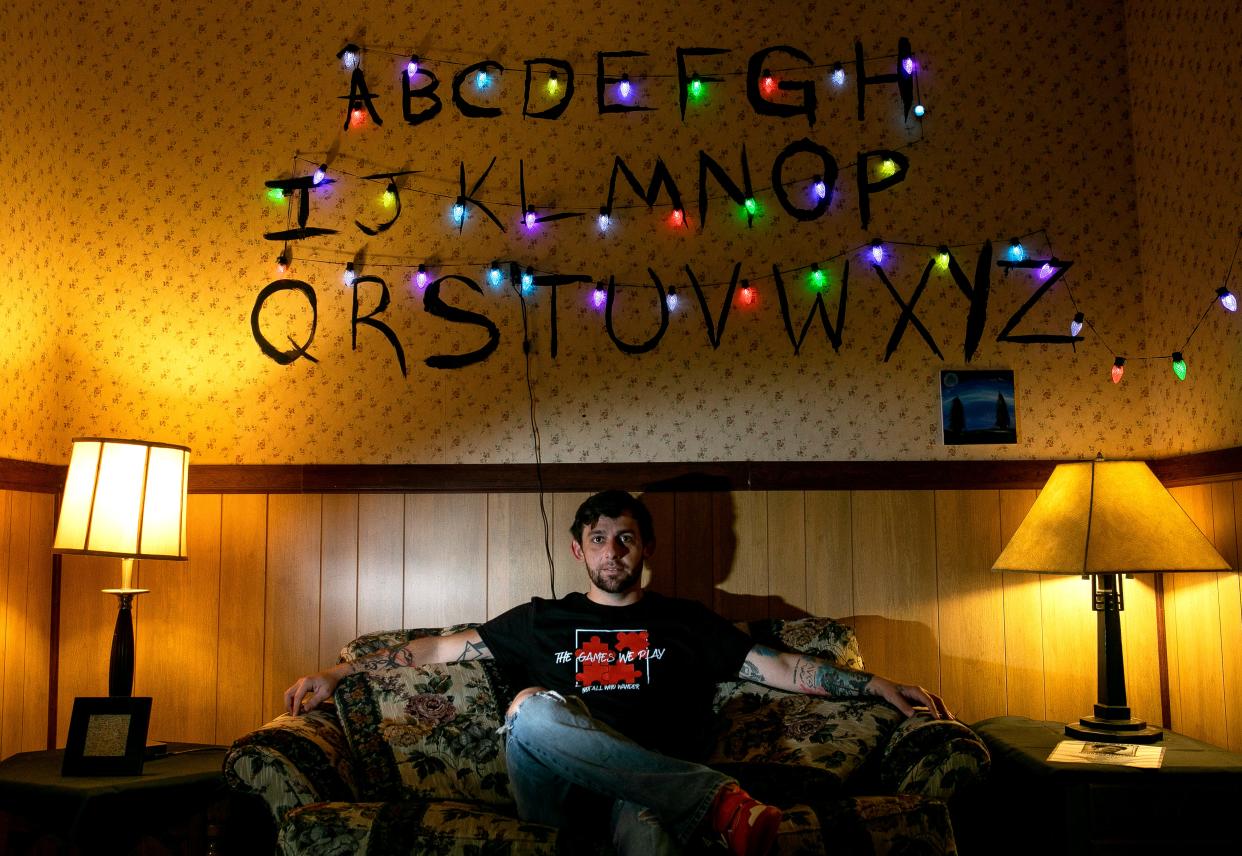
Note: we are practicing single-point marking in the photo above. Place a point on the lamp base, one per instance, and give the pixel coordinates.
(121, 663)
(1098, 730)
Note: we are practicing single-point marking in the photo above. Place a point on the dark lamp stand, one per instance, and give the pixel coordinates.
(1112, 722)
(121, 662)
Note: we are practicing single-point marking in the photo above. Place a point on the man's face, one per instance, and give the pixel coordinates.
(613, 551)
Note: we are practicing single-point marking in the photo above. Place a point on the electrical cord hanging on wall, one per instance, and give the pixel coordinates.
(534, 435)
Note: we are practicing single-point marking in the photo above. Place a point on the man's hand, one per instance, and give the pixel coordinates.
(308, 692)
(906, 698)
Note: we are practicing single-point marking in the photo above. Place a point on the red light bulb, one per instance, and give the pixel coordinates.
(1119, 369)
(747, 293)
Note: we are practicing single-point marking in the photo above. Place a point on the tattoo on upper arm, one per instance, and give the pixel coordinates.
(750, 670)
(386, 658)
(473, 651)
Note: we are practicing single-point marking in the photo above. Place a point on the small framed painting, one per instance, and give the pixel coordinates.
(978, 407)
(107, 736)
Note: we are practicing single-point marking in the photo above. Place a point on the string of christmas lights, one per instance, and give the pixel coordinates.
(523, 279)
(352, 56)
(322, 176)
(873, 252)
(624, 89)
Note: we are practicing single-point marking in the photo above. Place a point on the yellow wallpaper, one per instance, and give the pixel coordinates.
(1188, 163)
(139, 210)
(31, 267)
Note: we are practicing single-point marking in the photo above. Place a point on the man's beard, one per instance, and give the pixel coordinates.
(614, 581)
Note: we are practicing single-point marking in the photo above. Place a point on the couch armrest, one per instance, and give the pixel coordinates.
(933, 757)
(293, 761)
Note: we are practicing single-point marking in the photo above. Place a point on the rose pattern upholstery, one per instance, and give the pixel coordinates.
(408, 761)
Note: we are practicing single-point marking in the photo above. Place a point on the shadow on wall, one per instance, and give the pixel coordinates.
(716, 548)
(700, 510)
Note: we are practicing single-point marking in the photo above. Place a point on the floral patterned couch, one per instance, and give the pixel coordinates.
(409, 762)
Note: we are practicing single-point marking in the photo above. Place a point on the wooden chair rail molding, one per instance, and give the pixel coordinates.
(1195, 468)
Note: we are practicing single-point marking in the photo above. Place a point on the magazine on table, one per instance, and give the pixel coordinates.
(1117, 754)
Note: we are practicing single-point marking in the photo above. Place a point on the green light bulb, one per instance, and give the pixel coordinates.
(696, 87)
(942, 258)
(751, 205)
(818, 279)
(888, 167)
(275, 194)
(1179, 366)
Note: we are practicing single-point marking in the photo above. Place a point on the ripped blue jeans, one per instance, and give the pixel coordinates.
(562, 763)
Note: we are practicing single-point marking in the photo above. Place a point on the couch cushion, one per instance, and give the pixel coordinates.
(821, 637)
(783, 746)
(428, 731)
(411, 828)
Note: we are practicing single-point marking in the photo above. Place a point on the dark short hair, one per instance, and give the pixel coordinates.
(613, 503)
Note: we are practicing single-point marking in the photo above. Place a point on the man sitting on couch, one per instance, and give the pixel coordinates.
(615, 717)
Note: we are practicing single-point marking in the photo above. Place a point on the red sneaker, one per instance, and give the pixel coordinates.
(747, 826)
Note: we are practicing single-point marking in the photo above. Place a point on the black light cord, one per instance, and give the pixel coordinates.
(535, 440)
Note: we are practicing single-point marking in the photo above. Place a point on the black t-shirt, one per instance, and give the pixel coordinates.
(648, 669)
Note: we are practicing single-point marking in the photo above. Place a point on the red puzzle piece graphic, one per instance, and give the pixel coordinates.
(597, 662)
(607, 674)
(593, 648)
(593, 663)
(636, 641)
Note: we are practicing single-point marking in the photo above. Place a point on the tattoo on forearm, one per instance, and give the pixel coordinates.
(750, 672)
(473, 651)
(818, 677)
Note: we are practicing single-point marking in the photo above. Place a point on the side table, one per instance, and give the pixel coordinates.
(180, 800)
(1188, 805)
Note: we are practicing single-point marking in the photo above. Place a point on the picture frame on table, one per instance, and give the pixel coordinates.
(107, 736)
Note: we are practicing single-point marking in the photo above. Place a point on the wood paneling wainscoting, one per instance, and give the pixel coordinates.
(278, 581)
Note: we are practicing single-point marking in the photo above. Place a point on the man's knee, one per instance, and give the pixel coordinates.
(521, 697)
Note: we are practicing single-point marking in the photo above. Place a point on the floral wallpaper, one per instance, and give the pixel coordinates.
(1188, 165)
(136, 209)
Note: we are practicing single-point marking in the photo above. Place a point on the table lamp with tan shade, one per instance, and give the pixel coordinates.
(1106, 519)
(124, 498)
